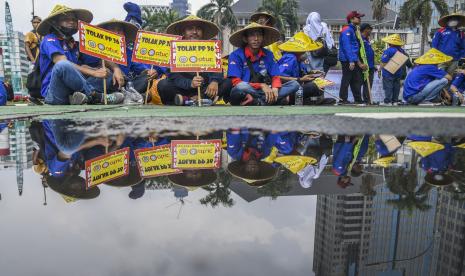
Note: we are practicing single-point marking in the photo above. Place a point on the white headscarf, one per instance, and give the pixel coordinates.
(314, 28)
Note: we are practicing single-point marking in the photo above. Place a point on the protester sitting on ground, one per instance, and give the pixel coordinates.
(253, 71)
(426, 81)
(457, 88)
(32, 40)
(181, 88)
(318, 31)
(349, 56)
(451, 40)
(293, 69)
(63, 80)
(391, 82)
(365, 31)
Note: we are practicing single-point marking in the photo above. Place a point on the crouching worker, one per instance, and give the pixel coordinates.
(293, 70)
(181, 88)
(426, 81)
(457, 89)
(253, 71)
(63, 80)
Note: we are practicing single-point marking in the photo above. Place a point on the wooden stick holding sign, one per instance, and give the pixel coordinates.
(103, 44)
(196, 56)
(148, 86)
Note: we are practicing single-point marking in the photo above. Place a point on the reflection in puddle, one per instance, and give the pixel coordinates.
(375, 205)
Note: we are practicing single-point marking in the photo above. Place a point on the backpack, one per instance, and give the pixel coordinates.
(34, 81)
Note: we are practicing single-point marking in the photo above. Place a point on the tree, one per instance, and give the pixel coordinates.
(285, 13)
(220, 13)
(419, 12)
(277, 187)
(218, 192)
(158, 21)
(379, 9)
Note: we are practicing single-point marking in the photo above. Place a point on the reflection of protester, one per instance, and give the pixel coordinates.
(345, 150)
(317, 31)
(32, 40)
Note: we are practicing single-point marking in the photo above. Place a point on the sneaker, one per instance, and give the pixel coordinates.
(344, 102)
(385, 104)
(395, 104)
(36, 101)
(78, 98)
(115, 98)
(180, 99)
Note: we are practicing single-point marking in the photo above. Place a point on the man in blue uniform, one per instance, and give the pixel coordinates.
(426, 81)
(457, 89)
(3, 94)
(253, 70)
(345, 150)
(365, 30)
(349, 56)
(450, 40)
(63, 80)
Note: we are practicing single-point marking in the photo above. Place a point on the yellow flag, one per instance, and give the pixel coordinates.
(273, 154)
(295, 163)
(425, 148)
(385, 161)
(462, 146)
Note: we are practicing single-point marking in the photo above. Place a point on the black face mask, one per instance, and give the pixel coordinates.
(68, 31)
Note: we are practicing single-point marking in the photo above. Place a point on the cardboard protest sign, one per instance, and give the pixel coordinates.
(155, 161)
(100, 43)
(196, 154)
(153, 48)
(396, 62)
(107, 167)
(196, 56)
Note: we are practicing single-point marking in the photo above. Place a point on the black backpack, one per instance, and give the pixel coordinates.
(34, 81)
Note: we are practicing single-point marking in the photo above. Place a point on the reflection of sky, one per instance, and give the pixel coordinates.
(115, 235)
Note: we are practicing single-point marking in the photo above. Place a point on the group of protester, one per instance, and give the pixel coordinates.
(263, 70)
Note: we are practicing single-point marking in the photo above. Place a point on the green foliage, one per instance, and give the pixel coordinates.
(379, 9)
(220, 13)
(378, 47)
(278, 186)
(285, 13)
(158, 21)
(219, 192)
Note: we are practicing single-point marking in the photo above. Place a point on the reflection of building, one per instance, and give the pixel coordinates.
(156, 8)
(18, 60)
(342, 229)
(182, 7)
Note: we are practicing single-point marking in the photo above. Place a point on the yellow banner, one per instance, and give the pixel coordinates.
(100, 43)
(155, 161)
(425, 148)
(153, 48)
(196, 154)
(295, 163)
(107, 167)
(196, 56)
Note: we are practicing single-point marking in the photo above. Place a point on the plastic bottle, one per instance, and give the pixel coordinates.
(299, 97)
(205, 102)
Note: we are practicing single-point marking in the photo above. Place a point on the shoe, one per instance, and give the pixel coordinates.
(395, 104)
(344, 102)
(78, 98)
(180, 99)
(385, 104)
(36, 101)
(115, 98)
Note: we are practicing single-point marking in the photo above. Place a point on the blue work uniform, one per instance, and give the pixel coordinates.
(439, 161)
(386, 57)
(50, 46)
(349, 47)
(289, 66)
(459, 82)
(370, 53)
(238, 68)
(3, 94)
(343, 154)
(419, 77)
(450, 42)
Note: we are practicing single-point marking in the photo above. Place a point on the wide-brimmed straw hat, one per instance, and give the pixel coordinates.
(46, 24)
(271, 19)
(130, 30)
(394, 39)
(72, 186)
(300, 43)
(206, 177)
(433, 56)
(438, 179)
(266, 172)
(270, 35)
(443, 20)
(210, 30)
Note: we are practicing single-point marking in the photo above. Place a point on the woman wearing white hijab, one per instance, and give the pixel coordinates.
(316, 29)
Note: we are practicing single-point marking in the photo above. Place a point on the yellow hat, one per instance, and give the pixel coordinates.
(270, 35)
(46, 24)
(433, 56)
(394, 39)
(425, 148)
(210, 30)
(443, 20)
(384, 161)
(300, 43)
(274, 48)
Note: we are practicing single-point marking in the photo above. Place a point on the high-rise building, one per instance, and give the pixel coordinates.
(16, 60)
(181, 6)
(21, 148)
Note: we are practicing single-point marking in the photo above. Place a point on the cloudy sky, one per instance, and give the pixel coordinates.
(102, 9)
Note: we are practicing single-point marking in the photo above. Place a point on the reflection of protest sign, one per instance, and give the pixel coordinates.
(97, 42)
(196, 154)
(153, 48)
(155, 161)
(107, 167)
(196, 56)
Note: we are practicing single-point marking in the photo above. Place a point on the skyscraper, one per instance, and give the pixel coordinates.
(181, 6)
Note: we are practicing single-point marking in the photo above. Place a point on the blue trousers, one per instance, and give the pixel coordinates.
(430, 93)
(243, 88)
(391, 90)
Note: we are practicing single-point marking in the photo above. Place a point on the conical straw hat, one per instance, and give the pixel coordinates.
(300, 43)
(270, 35)
(433, 56)
(130, 30)
(210, 30)
(394, 39)
(46, 24)
(443, 20)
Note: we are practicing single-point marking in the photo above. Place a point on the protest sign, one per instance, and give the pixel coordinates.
(107, 167)
(196, 56)
(100, 43)
(155, 161)
(196, 154)
(153, 48)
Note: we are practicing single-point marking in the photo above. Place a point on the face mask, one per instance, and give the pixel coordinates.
(453, 23)
(68, 31)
